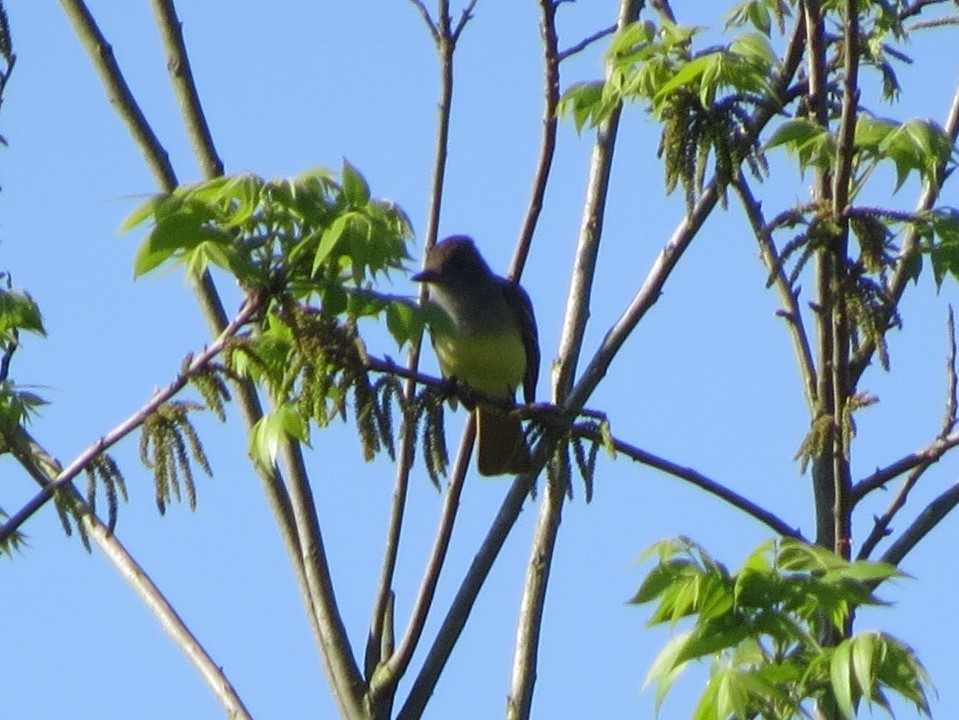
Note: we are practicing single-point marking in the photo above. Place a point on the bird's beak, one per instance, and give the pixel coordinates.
(426, 276)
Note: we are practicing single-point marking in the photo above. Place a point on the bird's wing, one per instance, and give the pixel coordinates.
(522, 309)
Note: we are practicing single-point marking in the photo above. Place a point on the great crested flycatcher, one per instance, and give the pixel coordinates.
(491, 345)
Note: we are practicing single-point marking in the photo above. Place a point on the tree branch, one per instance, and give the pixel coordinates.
(910, 245)
(459, 609)
(929, 454)
(384, 665)
(585, 42)
(178, 63)
(83, 460)
(548, 142)
(947, 439)
(532, 605)
(931, 516)
(701, 481)
(44, 468)
(787, 296)
(881, 526)
(118, 92)
(677, 244)
(388, 675)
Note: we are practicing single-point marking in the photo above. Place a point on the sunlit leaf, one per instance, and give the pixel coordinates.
(839, 672)
(356, 191)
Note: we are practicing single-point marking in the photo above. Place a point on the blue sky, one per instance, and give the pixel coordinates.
(707, 380)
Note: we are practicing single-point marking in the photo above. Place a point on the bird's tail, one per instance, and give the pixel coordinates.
(501, 445)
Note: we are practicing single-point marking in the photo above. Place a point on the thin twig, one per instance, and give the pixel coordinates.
(880, 528)
(937, 23)
(83, 460)
(465, 17)
(44, 468)
(931, 516)
(118, 92)
(427, 18)
(914, 8)
(952, 381)
(532, 605)
(696, 478)
(788, 297)
(585, 43)
(178, 63)
(548, 141)
(395, 665)
(910, 245)
(929, 454)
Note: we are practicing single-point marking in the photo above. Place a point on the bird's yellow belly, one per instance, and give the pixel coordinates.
(492, 364)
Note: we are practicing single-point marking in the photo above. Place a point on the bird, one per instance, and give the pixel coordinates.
(491, 345)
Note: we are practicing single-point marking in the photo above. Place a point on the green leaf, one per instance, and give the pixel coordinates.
(863, 650)
(813, 145)
(665, 669)
(329, 240)
(584, 102)
(171, 235)
(19, 311)
(756, 48)
(839, 674)
(356, 191)
(404, 321)
(715, 635)
(863, 571)
(871, 132)
(708, 707)
(141, 214)
(690, 73)
(654, 585)
(273, 429)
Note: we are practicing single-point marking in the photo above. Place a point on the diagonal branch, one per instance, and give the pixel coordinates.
(788, 297)
(459, 610)
(101, 56)
(586, 42)
(83, 460)
(178, 63)
(44, 468)
(927, 455)
(679, 242)
(947, 438)
(293, 516)
(118, 92)
(881, 526)
(548, 142)
(383, 665)
(696, 478)
(389, 673)
(532, 605)
(910, 245)
(930, 516)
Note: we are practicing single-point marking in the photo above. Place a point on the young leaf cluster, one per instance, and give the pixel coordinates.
(316, 368)
(766, 629)
(702, 99)
(313, 234)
